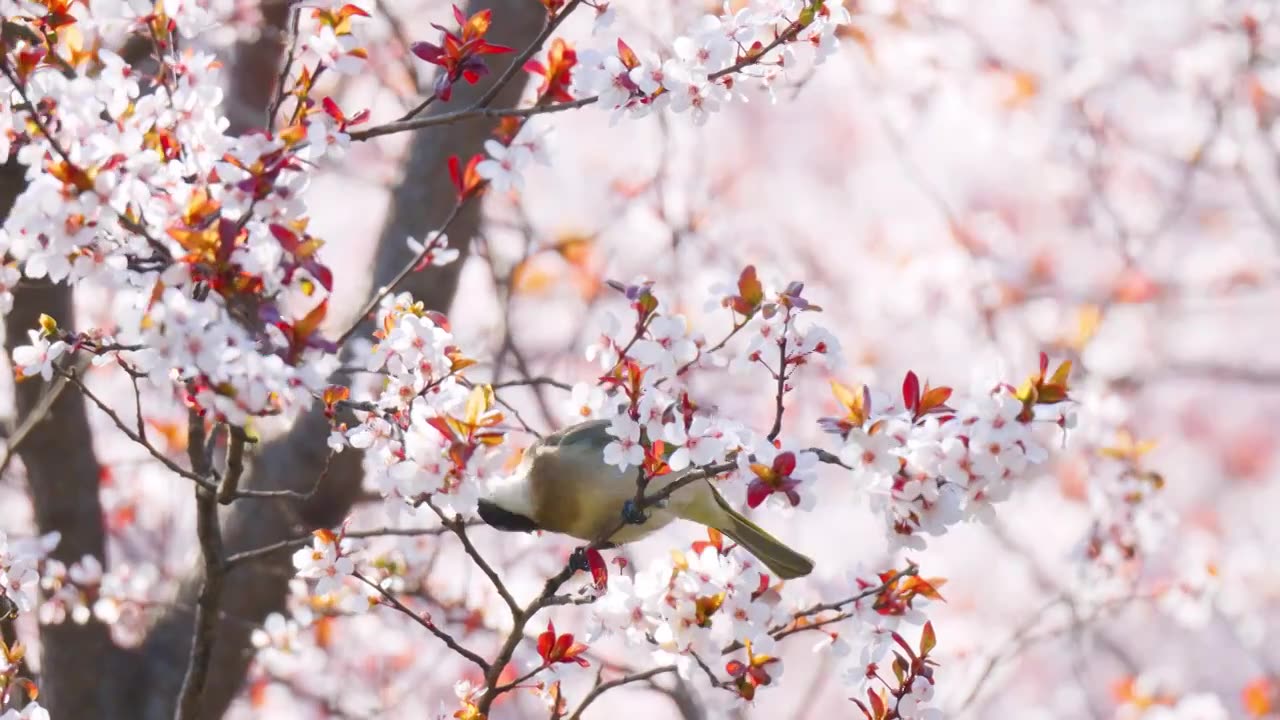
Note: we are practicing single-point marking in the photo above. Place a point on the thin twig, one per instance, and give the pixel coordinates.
(800, 620)
(405, 272)
(444, 637)
(274, 110)
(297, 542)
(517, 65)
(401, 35)
(38, 413)
(146, 444)
(605, 687)
(538, 380)
(519, 681)
(416, 110)
(33, 113)
(459, 528)
(782, 389)
(487, 112)
(419, 123)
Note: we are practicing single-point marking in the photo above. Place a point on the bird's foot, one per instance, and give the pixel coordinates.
(632, 514)
(578, 560)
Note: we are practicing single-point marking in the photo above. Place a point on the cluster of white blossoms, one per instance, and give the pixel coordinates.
(120, 597)
(505, 162)
(328, 561)
(886, 604)
(1130, 521)
(927, 475)
(692, 606)
(133, 185)
(425, 431)
(19, 584)
(697, 73)
(19, 570)
(926, 465)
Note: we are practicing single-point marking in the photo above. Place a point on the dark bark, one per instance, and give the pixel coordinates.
(62, 479)
(252, 81)
(420, 202)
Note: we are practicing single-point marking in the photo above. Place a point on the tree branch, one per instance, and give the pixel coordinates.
(459, 528)
(209, 533)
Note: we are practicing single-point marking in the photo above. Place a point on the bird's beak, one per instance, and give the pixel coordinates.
(500, 519)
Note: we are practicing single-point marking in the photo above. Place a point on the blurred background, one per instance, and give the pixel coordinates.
(961, 186)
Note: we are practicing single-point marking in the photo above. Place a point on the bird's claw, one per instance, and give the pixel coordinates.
(632, 514)
(578, 560)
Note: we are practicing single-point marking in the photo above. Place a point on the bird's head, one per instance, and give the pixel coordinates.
(507, 504)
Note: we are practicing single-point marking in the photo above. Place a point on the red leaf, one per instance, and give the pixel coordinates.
(286, 237)
(715, 539)
(911, 391)
(785, 464)
(546, 641)
(903, 643)
(455, 172)
(599, 570)
(321, 273)
(425, 50)
(307, 326)
(563, 643)
(332, 110)
(627, 55)
(762, 588)
(877, 705)
(488, 48)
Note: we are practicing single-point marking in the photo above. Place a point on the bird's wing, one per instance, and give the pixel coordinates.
(590, 433)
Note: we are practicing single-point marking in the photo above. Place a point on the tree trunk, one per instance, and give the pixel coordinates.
(419, 205)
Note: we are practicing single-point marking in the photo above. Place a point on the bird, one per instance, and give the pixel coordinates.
(563, 485)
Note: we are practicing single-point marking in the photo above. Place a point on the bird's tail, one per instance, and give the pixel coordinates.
(780, 559)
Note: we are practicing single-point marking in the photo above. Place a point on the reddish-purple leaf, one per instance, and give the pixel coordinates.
(911, 391)
(427, 51)
(599, 570)
(785, 464)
